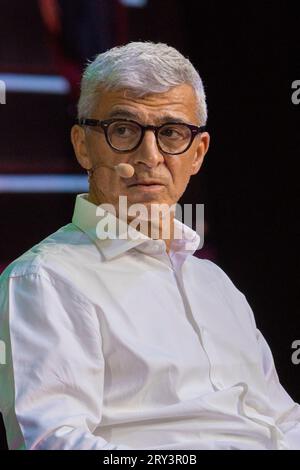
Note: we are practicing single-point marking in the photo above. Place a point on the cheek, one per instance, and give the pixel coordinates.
(108, 182)
(180, 175)
(98, 149)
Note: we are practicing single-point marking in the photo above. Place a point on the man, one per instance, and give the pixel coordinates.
(119, 342)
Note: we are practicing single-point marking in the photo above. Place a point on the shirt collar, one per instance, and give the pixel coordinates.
(85, 217)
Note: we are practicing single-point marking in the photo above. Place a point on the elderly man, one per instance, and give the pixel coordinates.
(119, 342)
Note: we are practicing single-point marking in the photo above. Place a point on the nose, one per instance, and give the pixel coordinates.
(148, 152)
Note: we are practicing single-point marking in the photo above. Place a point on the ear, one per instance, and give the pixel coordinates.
(78, 138)
(200, 152)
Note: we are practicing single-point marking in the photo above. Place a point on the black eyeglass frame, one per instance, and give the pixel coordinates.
(104, 125)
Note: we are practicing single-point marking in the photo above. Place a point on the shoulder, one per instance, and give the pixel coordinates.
(45, 274)
(210, 271)
(47, 255)
(219, 284)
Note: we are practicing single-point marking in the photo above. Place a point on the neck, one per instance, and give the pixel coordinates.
(164, 230)
(161, 229)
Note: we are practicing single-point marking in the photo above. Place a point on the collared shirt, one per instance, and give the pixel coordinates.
(116, 344)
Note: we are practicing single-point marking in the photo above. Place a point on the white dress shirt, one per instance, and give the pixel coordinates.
(116, 344)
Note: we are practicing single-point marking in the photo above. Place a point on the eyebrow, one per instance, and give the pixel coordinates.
(125, 113)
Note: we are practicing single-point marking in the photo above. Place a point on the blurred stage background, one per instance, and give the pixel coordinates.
(247, 182)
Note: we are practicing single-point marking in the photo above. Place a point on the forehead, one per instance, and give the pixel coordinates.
(178, 102)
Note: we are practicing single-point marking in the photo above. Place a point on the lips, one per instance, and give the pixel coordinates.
(145, 183)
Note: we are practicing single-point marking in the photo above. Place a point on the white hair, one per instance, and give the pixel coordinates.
(142, 67)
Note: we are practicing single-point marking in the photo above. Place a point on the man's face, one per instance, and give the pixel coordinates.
(171, 173)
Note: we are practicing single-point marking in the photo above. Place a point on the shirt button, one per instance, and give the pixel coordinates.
(157, 248)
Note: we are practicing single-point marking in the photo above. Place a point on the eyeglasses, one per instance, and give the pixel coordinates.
(124, 135)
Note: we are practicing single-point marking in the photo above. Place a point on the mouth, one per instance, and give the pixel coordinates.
(147, 186)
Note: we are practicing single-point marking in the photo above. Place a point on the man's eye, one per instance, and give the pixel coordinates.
(122, 130)
(171, 132)
(167, 132)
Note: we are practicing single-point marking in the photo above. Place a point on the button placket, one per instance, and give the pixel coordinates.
(178, 275)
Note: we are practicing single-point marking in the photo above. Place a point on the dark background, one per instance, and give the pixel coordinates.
(247, 55)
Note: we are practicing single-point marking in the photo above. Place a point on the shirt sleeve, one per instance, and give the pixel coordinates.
(286, 411)
(55, 367)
